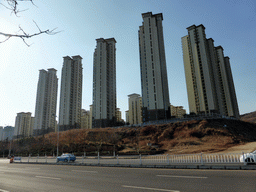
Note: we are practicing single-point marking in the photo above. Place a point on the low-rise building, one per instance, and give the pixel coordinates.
(177, 111)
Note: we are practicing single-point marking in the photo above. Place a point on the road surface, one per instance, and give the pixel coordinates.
(53, 178)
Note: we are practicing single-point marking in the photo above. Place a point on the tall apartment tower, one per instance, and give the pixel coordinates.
(23, 125)
(46, 102)
(209, 80)
(104, 83)
(71, 93)
(154, 83)
(135, 113)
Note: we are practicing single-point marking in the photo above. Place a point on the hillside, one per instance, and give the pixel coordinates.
(195, 136)
(212, 135)
(249, 117)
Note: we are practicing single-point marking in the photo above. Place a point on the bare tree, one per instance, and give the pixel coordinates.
(12, 5)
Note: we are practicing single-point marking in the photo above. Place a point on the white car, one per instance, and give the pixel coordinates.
(248, 157)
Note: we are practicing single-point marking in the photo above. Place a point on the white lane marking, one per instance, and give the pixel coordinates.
(32, 168)
(48, 177)
(85, 171)
(1, 190)
(192, 177)
(147, 188)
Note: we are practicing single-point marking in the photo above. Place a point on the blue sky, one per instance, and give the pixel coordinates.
(231, 23)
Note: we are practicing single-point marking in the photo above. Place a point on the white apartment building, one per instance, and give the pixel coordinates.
(46, 102)
(154, 82)
(209, 80)
(71, 93)
(135, 112)
(23, 126)
(104, 83)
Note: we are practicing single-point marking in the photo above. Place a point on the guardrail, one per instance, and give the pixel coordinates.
(201, 159)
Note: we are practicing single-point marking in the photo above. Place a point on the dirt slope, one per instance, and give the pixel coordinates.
(249, 117)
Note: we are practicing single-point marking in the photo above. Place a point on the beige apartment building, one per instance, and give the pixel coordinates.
(154, 82)
(71, 93)
(46, 102)
(85, 119)
(177, 111)
(135, 109)
(23, 125)
(104, 83)
(209, 80)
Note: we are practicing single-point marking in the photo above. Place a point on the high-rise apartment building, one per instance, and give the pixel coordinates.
(104, 83)
(209, 78)
(154, 83)
(23, 126)
(135, 106)
(46, 102)
(71, 93)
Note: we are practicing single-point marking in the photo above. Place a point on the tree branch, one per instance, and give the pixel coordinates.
(25, 35)
(13, 6)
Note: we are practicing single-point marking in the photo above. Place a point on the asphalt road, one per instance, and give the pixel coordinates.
(52, 178)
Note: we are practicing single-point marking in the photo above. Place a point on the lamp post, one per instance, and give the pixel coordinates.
(58, 130)
(58, 139)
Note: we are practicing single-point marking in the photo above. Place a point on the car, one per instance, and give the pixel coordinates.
(66, 158)
(248, 157)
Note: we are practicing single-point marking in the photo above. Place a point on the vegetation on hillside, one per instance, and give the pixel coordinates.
(210, 135)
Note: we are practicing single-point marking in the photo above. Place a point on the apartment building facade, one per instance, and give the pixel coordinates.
(154, 82)
(135, 109)
(104, 84)
(46, 102)
(85, 119)
(23, 125)
(71, 93)
(209, 80)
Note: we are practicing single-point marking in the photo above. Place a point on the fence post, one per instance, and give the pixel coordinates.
(117, 160)
(98, 157)
(167, 158)
(28, 157)
(202, 161)
(244, 158)
(140, 160)
(82, 159)
(37, 157)
(45, 158)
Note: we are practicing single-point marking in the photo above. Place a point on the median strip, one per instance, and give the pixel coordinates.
(191, 177)
(48, 177)
(147, 188)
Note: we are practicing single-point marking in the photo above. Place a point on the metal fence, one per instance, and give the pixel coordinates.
(201, 159)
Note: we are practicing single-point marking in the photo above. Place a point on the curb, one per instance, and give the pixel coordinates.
(215, 167)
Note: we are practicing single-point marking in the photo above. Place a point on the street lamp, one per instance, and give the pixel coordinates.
(58, 138)
(58, 130)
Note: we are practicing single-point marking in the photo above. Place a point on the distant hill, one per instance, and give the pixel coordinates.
(249, 117)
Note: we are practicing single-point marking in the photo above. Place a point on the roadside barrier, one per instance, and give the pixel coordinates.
(199, 159)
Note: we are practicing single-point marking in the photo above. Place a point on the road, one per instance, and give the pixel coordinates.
(52, 178)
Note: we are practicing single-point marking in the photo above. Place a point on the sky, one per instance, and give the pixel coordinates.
(231, 23)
